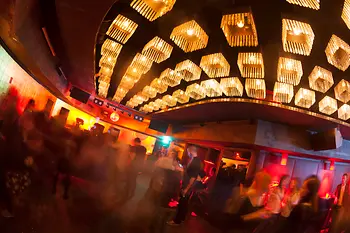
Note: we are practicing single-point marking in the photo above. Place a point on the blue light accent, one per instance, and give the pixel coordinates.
(166, 140)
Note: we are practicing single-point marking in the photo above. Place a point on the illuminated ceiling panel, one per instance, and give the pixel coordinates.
(212, 88)
(157, 50)
(342, 91)
(169, 100)
(160, 103)
(154, 106)
(149, 91)
(346, 13)
(159, 86)
(251, 65)
(120, 92)
(328, 105)
(141, 63)
(188, 70)
(111, 48)
(289, 71)
(338, 53)
(181, 96)
(170, 77)
(320, 79)
(297, 37)
(255, 88)
(107, 61)
(127, 82)
(305, 98)
(283, 92)
(189, 37)
(122, 29)
(146, 108)
(313, 4)
(344, 112)
(195, 91)
(215, 65)
(105, 71)
(231, 86)
(152, 9)
(239, 29)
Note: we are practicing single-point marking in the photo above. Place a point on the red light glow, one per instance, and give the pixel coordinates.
(284, 159)
(114, 117)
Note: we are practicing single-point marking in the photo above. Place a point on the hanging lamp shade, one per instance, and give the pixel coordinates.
(215, 65)
(157, 50)
(305, 98)
(188, 70)
(152, 9)
(251, 65)
(122, 29)
(289, 71)
(320, 79)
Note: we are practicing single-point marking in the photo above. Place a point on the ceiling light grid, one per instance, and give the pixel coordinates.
(289, 71)
(231, 86)
(283, 92)
(157, 50)
(239, 29)
(255, 88)
(152, 9)
(215, 65)
(170, 78)
(338, 53)
(297, 37)
(313, 4)
(344, 112)
(342, 91)
(320, 79)
(328, 105)
(122, 29)
(188, 70)
(196, 91)
(305, 98)
(189, 36)
(251, 65)
(181, 96)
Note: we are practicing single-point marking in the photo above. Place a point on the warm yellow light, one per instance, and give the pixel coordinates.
(154, 106)
(313, 4)
(146, 108)
(305, 98)
(159, 85)
(320, 79)
(346, 13)
(215, 65)
(141, 63)
(107, 61)
(103, 86)
(255, 88)
(251, 65)
(122, 29)
(149, 91)
(111, 48)
(212, 88)
(188, 70)
(127, 82)
(181, 96)
(105, 71)
(195, 91)
(160, 103)
(170, 78)
(342, 91)
(289, 71)
(152, 9)
(283, 92)
(169, 100)
(231, 86)
(338, 53)
(121, 92)
(297, 37)
(344, 112)
(157, 50)
(328, 105)
(239, 29)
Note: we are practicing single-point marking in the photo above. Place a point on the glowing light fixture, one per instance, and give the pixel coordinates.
(127, 82)
(122, 29)
(346, 13)
(239, 29)
(195, 91)
(121, 92)
(320, 79)
(313, 4)
(251, 65)
(149, 91)
(215, 65)
(159, 86)
(154, 106)
(107, 61)
(141, 63)
(152, 9)
(342, 91)
(170, 77)
(297, 37)
(283, 92)
(189, 37)
(169, 100)
(114, 117)
(147, 108)
(344, 112)
(255, 88)
(305, 98)
(157, 50)
(212, 88)
(289, 71)
(231, 86)
(328, 105)
(338, 53)
(181, 96)
(188, 70)
(161, 103)
(111, 48)
(106, 71)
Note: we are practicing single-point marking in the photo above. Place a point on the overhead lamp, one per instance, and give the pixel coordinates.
(111, 48)
(283, 92)
(141, 63)
(161, 103)
(188, 70)
(114, 117)
(195, 91)
(239, 29)
(338, 53)
(127, 82)
(159, 86)
(117, 99)
(297, 37)
(251, 65)
(121, 92)
(344, 112)
(140, 98)
(146, 108)
(289, 71)
(122, 29)
(231, 86)
(131, 104)
(328, 105)
(155, 106)
(181, 96)
(215, 65)
(103, 89)
(169, 100)
(313, 4)
(107, 61)
(152, 9)
(149, 91)
(212, 88)
(320, 79)
(170, 78)
(189, 36)
(255, 88)
(342, 91)
(346, 13)
(305, 98)
(105, 71)
(157, 50)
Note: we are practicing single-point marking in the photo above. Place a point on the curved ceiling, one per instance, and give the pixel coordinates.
(311, 29)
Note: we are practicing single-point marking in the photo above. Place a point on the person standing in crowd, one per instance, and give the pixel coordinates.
(341, 212)
(192, 171)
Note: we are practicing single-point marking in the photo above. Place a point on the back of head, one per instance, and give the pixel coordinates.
(261, 181)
